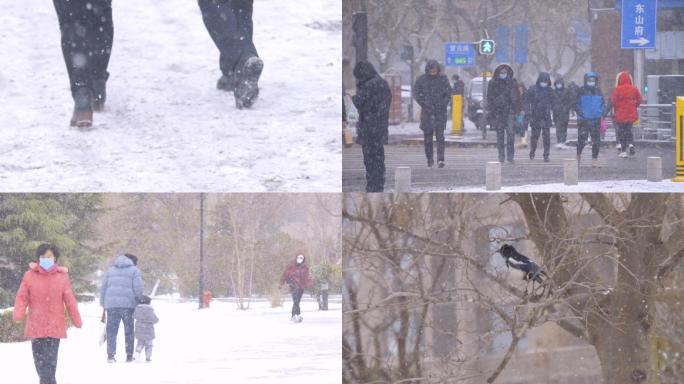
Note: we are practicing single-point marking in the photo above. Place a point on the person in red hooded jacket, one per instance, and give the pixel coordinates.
(625, 100)
(297, 276)
(45, 291)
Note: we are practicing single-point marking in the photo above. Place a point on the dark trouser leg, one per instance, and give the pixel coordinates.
(297, 294)
(510, 139)
(620, 136)
(427, 135)
(231, 28)
(627, 135)
(595, 132)
(87, 33)
(114, 316)
(562, 131)
(374, 160)
(534, 138)
(129, 330)
(546, 138)
(500, 137)
(148, 349)
(440, 144)
(45, 352)
(582, 135)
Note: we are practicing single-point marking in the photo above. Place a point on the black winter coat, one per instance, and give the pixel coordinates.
(538, 102)
(503, 97)
(433, 94)
(372, 100)
(563, 102)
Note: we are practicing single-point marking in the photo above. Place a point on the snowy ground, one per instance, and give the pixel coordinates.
(636, 186)
(166, 127)
(213, 346)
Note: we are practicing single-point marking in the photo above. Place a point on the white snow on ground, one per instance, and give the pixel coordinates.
(166, 127)
(213, 346)
(591, 186)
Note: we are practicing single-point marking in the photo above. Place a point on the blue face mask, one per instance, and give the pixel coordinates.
(544, 85)
(559, 86)
(47, 264)
(591, 83)
(503, 76)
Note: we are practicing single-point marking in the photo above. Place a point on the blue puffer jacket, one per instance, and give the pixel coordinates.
(122, 286)
(590, 102)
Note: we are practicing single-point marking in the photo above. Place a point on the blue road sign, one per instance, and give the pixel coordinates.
(459, 54)
(502, 42)
(638, 24)
(521, 40)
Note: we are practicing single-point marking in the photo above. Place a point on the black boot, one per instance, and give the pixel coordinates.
(226, 83)
(83, 109)
(246, 82)
(100, 93)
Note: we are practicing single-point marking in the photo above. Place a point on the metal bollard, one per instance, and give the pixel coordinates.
(654, 169)
(402, 179)
(493, 176)
(570, 173)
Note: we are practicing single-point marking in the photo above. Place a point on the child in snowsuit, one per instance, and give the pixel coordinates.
(145, 319)
(589, 107)
(538, 103)
(297, 277)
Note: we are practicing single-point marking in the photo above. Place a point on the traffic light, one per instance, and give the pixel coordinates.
(486, 47)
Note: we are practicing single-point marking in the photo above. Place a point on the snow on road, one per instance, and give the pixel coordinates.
(166, 127)
(636, 186)
(212, 346)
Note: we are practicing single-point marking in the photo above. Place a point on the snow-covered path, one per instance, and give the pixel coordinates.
(213, 346)
(166, 127)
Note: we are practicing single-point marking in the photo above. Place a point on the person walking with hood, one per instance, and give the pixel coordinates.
(502, 100)
(145, 319)
(538, 103)
(44, 293)
(433, 93)
(87, 32)
(297, 277)
(121, 291)
(625, 100)
(373, 99)
(589, 106)
(563, 102)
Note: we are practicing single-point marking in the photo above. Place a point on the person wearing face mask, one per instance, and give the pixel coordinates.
(538, 102)
(502, 99)
(589, 106)
(432, 92)
(297, 277)
(44, 293)
(563, 102)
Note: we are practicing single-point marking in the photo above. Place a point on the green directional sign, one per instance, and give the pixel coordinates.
(486, 47)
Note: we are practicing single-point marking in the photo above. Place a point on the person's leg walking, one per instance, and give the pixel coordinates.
(148, 350)
(500, 137)
(113, 321)
(534, 138)
(102, 50)
(582, 134)
(45, 352)
(440, 144)
(427, 136)
(510, 139)
(563, 128)
(595, 138)
(546, 138)
(129, 331)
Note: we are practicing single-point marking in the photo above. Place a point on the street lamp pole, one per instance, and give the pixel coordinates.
(201, 250)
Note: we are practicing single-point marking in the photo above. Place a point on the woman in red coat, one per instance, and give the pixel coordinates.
(625, 100)
(45, 291)
(296, 275)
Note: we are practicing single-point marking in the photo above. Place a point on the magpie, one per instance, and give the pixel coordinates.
(531, 270)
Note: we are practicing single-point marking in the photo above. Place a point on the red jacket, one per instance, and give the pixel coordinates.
(46, 294)
(625, 99)
(297, 275)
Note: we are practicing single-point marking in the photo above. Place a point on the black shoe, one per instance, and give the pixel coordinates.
(440, 164)
(546, 159)
(129, 359)
(100, 93)
(226, 83)
(111, 359)
(431, 163)
(148, 360)
(531, 155)
(83, 109)
(246, 82)
(511, 161)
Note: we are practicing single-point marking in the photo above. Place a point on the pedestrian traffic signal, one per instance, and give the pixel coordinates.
(486, 47)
